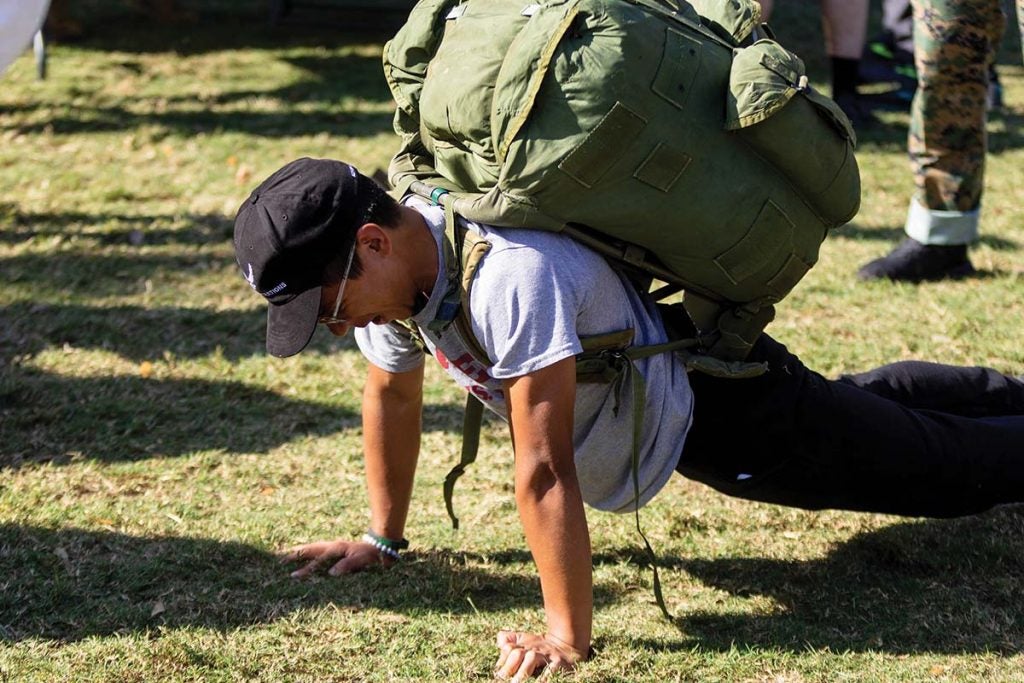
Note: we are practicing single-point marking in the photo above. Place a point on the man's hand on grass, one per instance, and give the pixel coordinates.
(335, 557)
(529, 654)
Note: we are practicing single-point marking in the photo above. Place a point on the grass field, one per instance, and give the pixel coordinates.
(153, 459)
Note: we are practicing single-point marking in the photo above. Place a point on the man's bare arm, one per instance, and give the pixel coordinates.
(392, 411)
(392, 414)
(541, 407)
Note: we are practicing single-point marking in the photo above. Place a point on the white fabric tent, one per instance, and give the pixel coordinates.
(19, 22)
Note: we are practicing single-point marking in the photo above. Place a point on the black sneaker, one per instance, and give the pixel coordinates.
(912, 261)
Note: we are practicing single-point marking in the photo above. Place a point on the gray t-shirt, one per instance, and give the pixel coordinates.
(536, 293)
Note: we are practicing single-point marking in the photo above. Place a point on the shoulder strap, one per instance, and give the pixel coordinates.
(471, 251)
(472, 421)
(449, 307)
(463, 252)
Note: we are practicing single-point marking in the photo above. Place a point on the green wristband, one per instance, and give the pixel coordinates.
(400, 544)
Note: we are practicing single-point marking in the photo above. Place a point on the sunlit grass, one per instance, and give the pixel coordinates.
(153, 458)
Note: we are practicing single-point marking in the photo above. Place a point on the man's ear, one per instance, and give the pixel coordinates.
(375, 238)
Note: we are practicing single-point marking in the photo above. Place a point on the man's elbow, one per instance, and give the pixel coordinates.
(541, 480)
(393, 388)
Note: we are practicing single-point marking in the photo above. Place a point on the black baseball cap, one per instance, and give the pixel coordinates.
(289, 230)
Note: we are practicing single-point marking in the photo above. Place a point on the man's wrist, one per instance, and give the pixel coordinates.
(578, 655)
(387, 546)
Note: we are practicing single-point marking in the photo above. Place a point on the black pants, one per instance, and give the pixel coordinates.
(909, 438)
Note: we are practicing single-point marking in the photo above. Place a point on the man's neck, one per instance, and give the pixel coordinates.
(423, 260)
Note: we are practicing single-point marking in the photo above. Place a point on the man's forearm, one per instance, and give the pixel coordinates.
(541, 407)
(555, 524)
(392, 410)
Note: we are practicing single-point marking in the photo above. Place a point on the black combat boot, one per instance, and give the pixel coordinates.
(912, 261)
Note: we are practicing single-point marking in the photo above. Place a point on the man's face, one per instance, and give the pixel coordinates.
(379, 295)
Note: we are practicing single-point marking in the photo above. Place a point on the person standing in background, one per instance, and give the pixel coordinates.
(844, 23)
(955, 42)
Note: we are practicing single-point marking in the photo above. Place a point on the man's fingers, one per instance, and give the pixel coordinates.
(290, 555)
(522, 655)
(305, 571)
(504, 647)
(502, 658)
(348, 565)
(338, 557)
(307, 551)
(511, 665)
(314, 565)
(507, 639)
(531, 661)
(506, 642)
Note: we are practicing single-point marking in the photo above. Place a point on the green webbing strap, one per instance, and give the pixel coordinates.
(473, 249)
(403, 187)
(472, 420)
(639, 389)
(622, 362)
(452, 245)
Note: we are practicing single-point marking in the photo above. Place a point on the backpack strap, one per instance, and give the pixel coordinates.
(452, 300)
(620, 365)
(463, 252)
(472, 249)
(472, 422)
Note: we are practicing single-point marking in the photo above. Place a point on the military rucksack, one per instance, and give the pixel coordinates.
(683, 146)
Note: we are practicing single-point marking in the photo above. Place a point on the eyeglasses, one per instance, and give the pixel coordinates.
(333, 318)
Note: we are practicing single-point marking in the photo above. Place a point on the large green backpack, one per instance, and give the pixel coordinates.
(680, 145)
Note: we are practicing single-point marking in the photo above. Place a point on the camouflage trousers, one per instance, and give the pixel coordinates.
(955, 43)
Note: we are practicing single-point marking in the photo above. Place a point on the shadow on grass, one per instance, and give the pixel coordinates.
(122, 27)
(112, 229)
(50, 418)
(855, 231)
(45, 417)
(1007, 137)
(881, 136)
(284, 123)
(940, 586)
(934, 586)
(133, 332)
(918, 587)
(330, 81)
(70, 584)
(106, 273)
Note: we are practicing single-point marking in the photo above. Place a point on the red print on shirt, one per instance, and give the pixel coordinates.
(468, 366)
